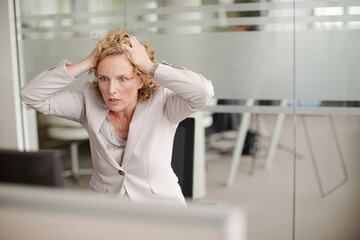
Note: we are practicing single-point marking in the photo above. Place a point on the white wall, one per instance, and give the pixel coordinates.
(10, 120)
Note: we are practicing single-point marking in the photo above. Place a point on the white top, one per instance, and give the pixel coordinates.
(113, 142)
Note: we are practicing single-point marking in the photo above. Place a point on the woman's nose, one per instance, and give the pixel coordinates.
(112, 87)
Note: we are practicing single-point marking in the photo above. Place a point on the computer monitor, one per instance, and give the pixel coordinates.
(43, 213)
(42, 168)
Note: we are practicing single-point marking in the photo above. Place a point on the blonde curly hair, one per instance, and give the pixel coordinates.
(112, 46)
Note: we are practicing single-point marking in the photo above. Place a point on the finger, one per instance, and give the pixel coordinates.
(134, 41)
(126, 47)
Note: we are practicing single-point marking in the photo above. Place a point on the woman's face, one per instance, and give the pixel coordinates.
(118, 83)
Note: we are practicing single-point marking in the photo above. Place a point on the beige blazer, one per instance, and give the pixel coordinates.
(146, 171)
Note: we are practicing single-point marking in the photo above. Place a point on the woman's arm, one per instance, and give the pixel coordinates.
(44, 92)
(189, 91)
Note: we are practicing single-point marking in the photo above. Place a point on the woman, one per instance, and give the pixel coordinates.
(131, 112)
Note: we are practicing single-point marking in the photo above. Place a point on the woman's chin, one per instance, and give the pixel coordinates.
(114, 108)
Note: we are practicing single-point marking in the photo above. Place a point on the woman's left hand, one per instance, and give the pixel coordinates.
(139, 55)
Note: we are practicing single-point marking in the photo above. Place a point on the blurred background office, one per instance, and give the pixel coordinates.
(286, 71)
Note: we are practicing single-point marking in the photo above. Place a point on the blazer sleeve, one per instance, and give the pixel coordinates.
(44, 93)
(189, 91)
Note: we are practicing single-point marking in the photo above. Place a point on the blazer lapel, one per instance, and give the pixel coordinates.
(135, 128)
(98, 114)
(96, 117)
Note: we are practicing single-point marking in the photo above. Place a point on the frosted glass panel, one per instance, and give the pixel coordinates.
(41, 19)
(328, 65)
(247, 48)
(241, 65)
(231, 44)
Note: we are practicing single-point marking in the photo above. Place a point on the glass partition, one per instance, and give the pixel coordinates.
(327, 86)
(286, 70)
(247, 50)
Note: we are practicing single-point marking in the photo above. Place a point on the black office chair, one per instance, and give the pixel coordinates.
(43, 168)
(183, 155)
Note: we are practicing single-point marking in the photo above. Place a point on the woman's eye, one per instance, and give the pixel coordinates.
(123, 79)
(103, 79)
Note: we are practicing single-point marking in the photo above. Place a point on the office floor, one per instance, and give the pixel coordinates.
(327, 199)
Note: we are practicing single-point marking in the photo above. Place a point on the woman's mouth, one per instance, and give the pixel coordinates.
(114, 100)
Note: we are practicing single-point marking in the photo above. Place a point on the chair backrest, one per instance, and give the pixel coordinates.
(183, 155)
(42, 168)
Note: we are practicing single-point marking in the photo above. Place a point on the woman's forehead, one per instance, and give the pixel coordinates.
(115, 64)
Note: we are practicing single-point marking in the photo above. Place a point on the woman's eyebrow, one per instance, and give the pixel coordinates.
(124, 76)
(101, 75)
(117, 76)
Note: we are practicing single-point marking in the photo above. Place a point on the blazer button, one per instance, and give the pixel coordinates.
(121, 172)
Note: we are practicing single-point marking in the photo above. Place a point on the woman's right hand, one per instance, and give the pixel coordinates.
(90, 60)
(84, 65)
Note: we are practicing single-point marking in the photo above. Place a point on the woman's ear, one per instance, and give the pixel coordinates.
(140, 83)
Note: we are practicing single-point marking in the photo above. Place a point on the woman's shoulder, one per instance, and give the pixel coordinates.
(160, 93)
